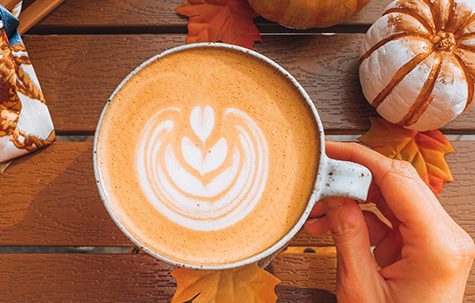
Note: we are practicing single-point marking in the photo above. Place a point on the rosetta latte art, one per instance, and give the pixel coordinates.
(201, 169)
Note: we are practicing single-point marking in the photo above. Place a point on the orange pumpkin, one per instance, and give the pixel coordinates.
(307, 13)
(417, 64)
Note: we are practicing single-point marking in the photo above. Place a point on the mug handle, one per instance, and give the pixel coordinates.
(346, 179)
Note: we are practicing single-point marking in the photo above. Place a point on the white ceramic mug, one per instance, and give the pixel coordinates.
(335, 178)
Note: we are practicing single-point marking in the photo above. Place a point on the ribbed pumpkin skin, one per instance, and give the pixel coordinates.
(417, 65)
(307, 13)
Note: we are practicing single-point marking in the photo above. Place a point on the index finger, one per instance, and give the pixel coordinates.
(408, 197)
(378, 164)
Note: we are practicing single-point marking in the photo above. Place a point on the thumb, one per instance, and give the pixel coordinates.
(356, 269)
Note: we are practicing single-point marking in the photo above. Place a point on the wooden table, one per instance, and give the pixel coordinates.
(49, 199)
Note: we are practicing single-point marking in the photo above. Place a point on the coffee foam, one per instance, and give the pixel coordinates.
(198, 183)
(208, 156)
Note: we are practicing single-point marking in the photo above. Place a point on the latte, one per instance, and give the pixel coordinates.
(207, 156)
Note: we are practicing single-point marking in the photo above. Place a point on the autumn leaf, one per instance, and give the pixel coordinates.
(229, 21)
(424, 150)
(244, 284)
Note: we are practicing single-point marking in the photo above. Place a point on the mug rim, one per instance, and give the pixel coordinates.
(316, 191)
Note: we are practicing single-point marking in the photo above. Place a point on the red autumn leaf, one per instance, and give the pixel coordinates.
(424, 150)
(229, 21)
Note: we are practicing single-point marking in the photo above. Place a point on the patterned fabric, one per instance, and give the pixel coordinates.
(25, 123)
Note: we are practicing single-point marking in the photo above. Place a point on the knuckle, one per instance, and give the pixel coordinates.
(459, 253)
(348, 227)
(403, 168)
(354, 145)
(470, 252)
(471, 249)
(464, 247)
(345, 232)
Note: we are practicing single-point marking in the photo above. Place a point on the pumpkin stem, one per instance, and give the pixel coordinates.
(444, 41)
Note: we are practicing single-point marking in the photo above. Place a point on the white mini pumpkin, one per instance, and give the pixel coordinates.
(417, 66)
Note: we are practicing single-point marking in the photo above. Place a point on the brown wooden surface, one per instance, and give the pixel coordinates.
(313, 271)
(141, 278)
(301, 295)
(79, 72)
(50, 198)
(108, 278)
(155, 14)
(84, 278)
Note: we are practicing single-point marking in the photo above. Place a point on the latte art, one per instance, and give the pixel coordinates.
(205, 175)
(207, 156)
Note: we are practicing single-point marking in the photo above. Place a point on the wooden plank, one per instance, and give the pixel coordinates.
(140, 278)
(313, 271)
(84, 278)
(304, 295)
(103, 278)
(79, 72)
(50, 198)
(150, 14)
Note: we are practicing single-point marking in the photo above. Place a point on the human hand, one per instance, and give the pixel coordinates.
(424, 256)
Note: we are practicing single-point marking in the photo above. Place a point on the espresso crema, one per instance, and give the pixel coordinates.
(207, 156)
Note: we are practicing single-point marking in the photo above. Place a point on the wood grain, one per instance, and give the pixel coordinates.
(140, 278)
(304, 295)
(50, 198)
(313, 271)
(159, 15)
(35, 13)
(79, 72)
(9, 4)
(105, 278)
(84, 278)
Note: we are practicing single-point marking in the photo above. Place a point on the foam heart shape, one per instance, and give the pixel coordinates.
(202, 121)
(211, 160)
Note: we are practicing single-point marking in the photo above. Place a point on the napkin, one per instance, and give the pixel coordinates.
(25, 122)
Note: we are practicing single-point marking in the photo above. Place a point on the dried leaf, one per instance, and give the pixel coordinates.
(229, 21)
(250, 284)
(424, 150)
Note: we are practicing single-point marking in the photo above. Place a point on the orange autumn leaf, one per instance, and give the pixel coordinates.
(250, 284)
(424, 150)
(229, 21)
